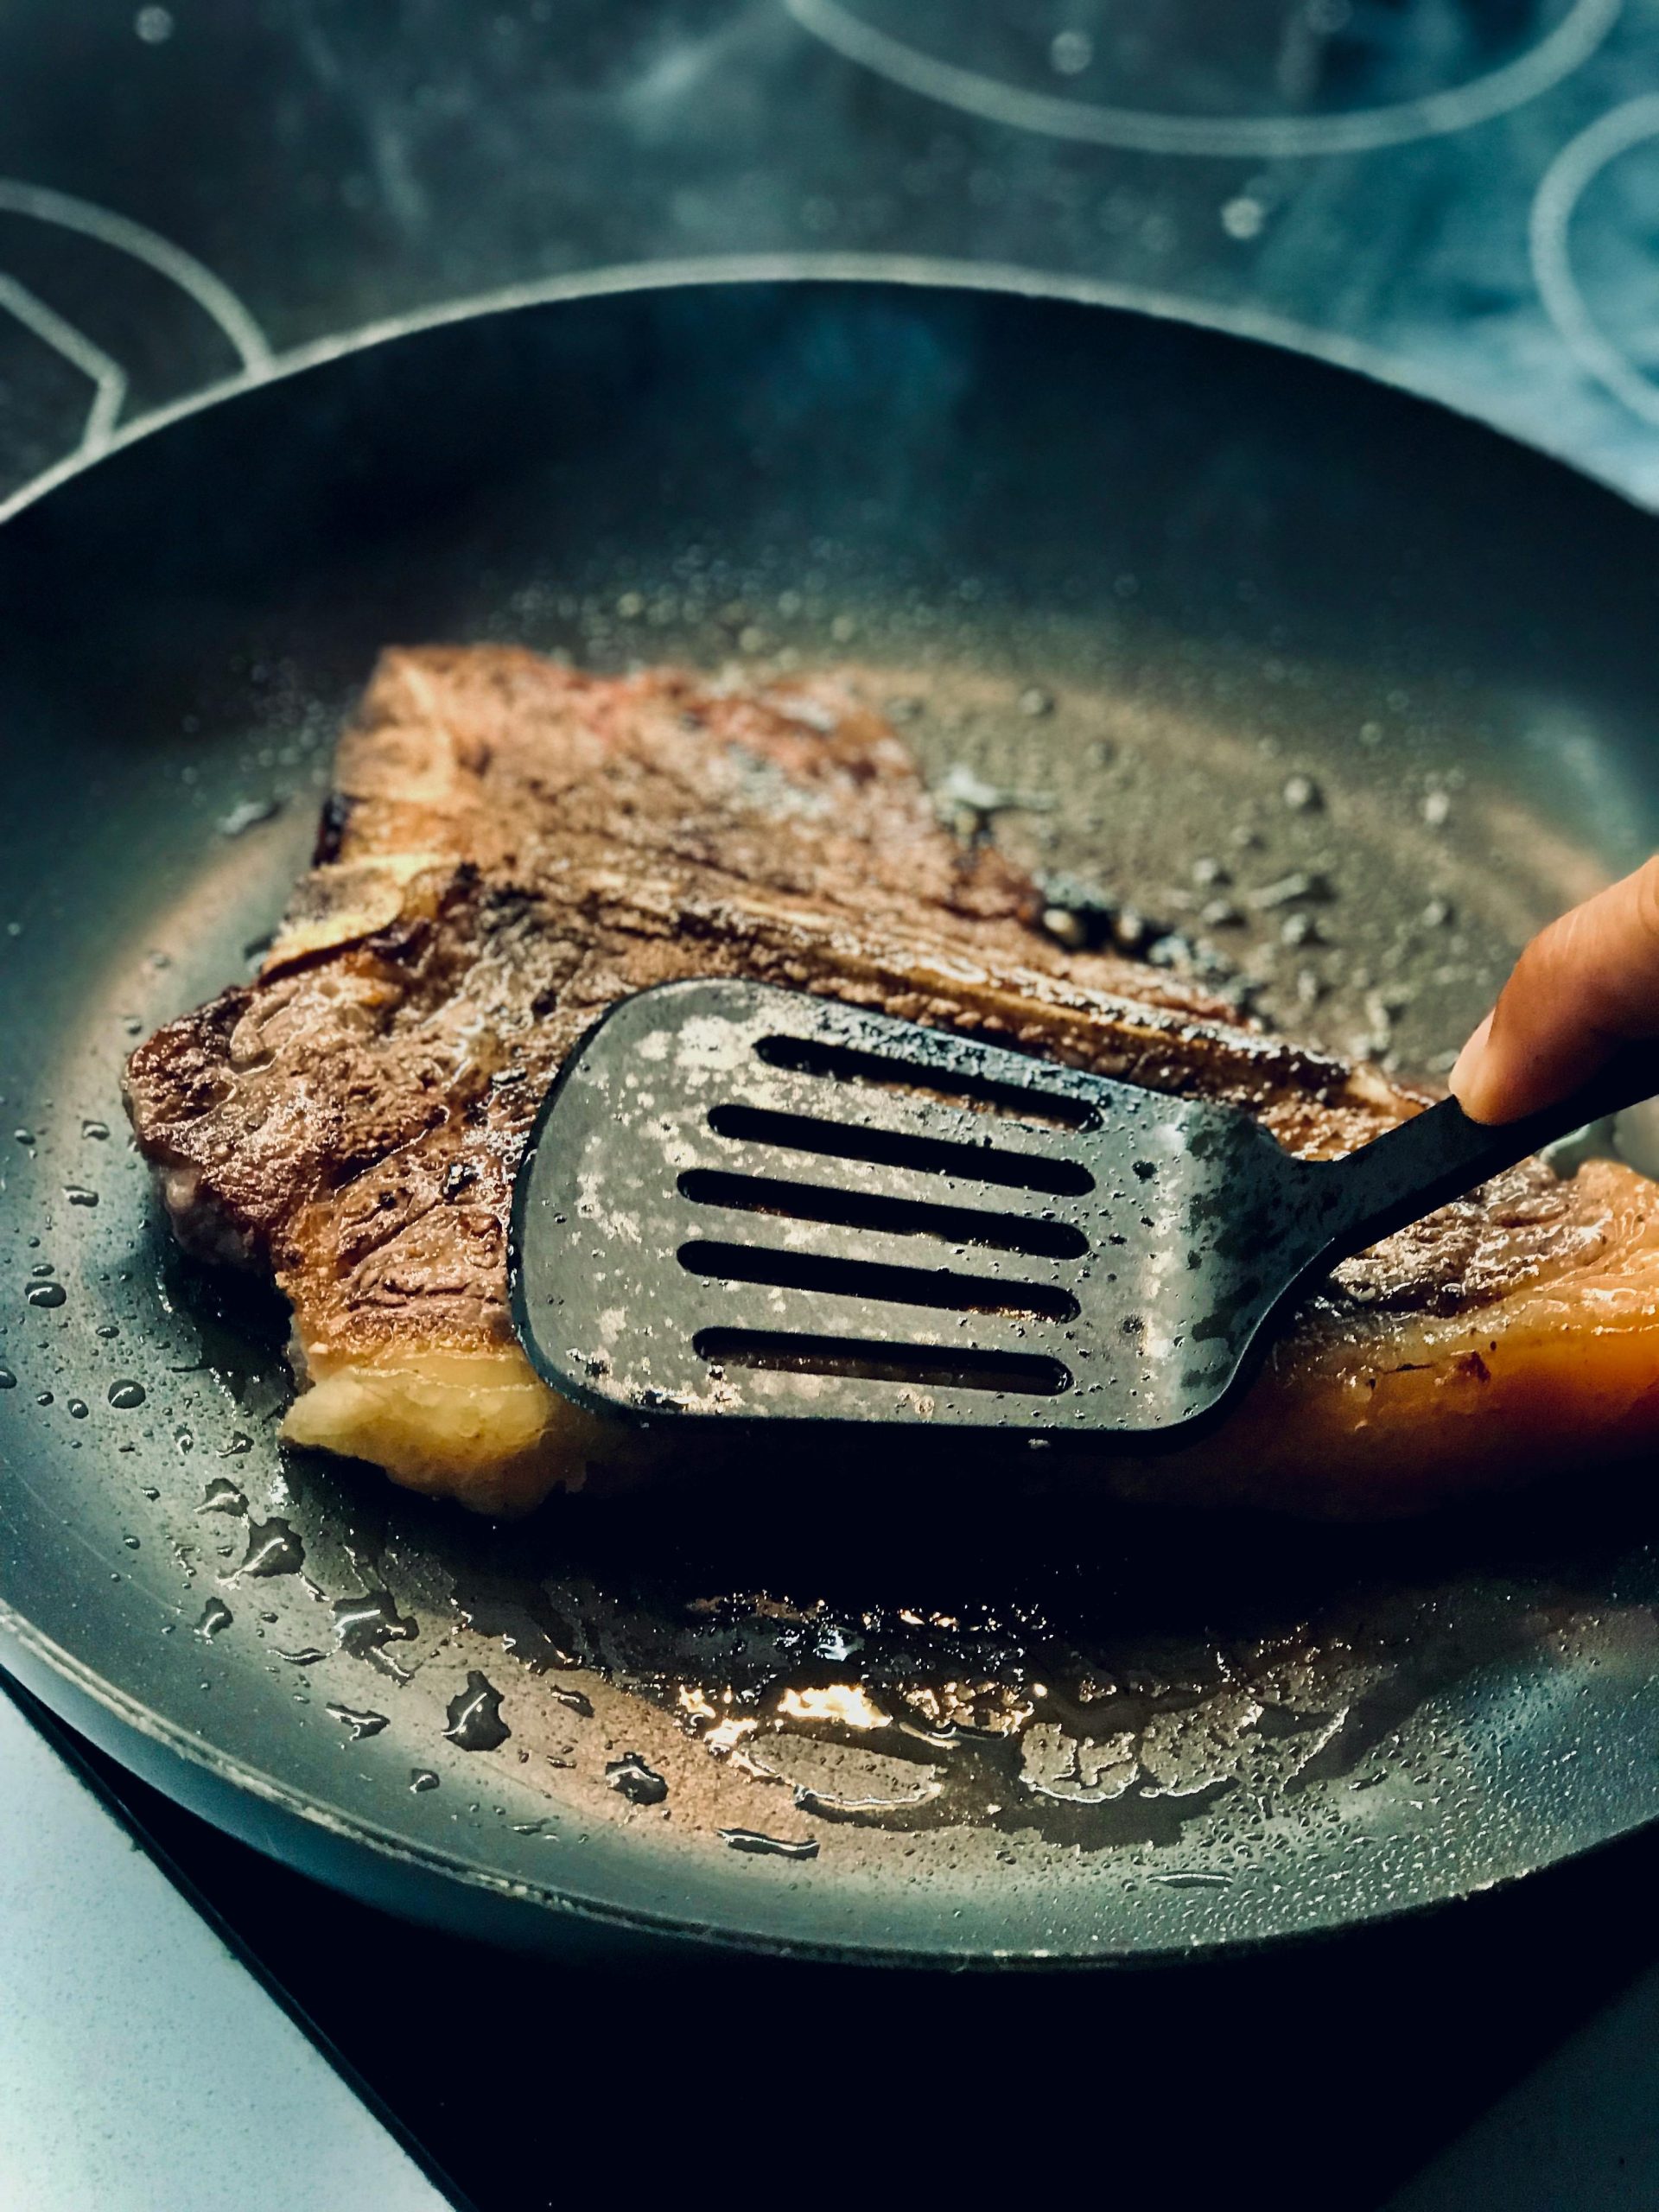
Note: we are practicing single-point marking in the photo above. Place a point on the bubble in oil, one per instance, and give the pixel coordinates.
(46, 1295)
(475, 1716)
(247, 815)
(8, 1380)
(274, 1547)
(80, 1194)
(126, 1394)
(216, 1616)
(360, 1724)
(365, 1623)
(222, 1497)
(631, 1778)
(421, 1778)
(769, 1847)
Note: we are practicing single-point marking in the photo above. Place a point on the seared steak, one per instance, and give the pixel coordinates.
(510, 846)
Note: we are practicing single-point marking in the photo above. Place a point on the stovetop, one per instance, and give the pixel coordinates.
(1457, 195)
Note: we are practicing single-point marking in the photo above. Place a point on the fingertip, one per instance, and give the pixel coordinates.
(1469, 1081)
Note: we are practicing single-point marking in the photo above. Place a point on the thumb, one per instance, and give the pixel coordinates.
(1584, 985)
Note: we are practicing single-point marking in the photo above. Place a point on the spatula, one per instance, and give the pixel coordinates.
(746, 1203)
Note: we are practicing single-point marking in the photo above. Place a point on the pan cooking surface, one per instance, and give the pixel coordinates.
(1277, 674)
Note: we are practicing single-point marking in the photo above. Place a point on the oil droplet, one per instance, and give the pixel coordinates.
(238, 1445)
(421, 1778)
(125, 1393)
(363, 1625)
(131, 1542)
(220, 1497)
(250, 812)
(216, 1615)
(273, 1548)
(42, 1397)
(360, 1724)
(97, 1130)
(46, 1293)
(639, 1783)
(80, 1195)
(106, 1331)
(78, 1408)
(475, 1722)
(8, 1380)
(769, 1847)
(307, 1656)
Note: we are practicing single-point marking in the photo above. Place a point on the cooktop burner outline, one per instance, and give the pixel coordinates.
(106, 375)
(210, 292)
(1511, 84)
(1569, 176)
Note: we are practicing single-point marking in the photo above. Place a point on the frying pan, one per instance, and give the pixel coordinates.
(1159, 606)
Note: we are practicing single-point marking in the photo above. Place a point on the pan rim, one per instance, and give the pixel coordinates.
(926, 272)
(131, 1714)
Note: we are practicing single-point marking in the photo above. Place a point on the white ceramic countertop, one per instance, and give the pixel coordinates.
(143, 2067)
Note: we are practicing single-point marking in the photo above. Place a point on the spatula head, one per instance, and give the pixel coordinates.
(747, 1202)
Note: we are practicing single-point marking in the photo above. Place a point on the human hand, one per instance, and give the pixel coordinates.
(1584, 985)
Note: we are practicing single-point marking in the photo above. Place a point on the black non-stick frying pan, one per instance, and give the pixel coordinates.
(1188, 620)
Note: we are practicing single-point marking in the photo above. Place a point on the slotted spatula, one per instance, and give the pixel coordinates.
(742, 1201)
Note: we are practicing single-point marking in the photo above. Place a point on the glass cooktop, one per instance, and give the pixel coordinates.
(1458, 196)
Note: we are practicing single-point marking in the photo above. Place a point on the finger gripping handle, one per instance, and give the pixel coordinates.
(1441, 1154)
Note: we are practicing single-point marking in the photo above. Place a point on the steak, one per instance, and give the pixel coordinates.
(510, 846)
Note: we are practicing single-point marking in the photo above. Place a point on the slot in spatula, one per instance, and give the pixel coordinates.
(742, 1201)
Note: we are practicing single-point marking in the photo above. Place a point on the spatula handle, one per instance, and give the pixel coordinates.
(1440, 1154)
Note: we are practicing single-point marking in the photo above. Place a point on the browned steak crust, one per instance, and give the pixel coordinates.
(510, 847)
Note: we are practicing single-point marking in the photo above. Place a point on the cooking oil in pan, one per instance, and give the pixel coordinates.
(799, 1673)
